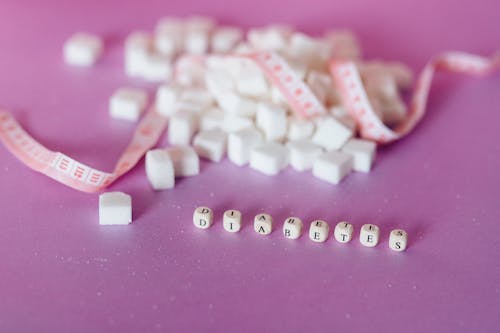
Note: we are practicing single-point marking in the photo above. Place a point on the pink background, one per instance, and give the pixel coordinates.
(61, 272)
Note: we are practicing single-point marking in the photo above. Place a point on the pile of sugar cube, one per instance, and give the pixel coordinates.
(220, 104)
(319, 230)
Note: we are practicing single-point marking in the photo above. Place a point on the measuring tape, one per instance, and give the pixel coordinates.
(72, 173)
(348, 82)
(67, 170)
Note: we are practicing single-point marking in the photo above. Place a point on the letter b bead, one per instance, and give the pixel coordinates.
(203, 217)
(292, 228)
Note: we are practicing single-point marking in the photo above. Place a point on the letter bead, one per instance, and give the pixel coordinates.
(343, 232)
(318, 231)
(369, 235)
(292, 228)
(398, 240)
(231, 220)
(203, 217)
(263, 224)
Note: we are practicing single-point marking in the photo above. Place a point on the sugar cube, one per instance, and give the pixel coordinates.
(233, 123)
(210, 144)
(196, 41)
(398, 240)
(343, 232)
(263, 224)
(299, 129)
(331, 134)
(303, 153)
(127, 104)
(185, 159)
(318, 231)
(232, 220)
(241, 143)
(115, 208)
(138, 45)
(212, 118)
(369, 235)
(157, 68)
(160, 169)
(332, 166)
(363, 153)
(203, 217)
(272, 121)
(269, 158)
(82, 49)
(183, 125)
(292, 227)
(167, 97)
(225, 38)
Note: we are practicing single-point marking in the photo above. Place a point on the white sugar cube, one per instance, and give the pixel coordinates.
(128, 104)
(231, 220)
(211, 119)
(203, 217)
(318, 231)
(219, 83)
(157, 68)
(343, 232)
(344, 44)
(369, 235)
(321, 85)
(82, 49)
(225, 38)
(115, 208)
(292, 227)
(251, 82)
(169, 33)
(303, 153)
(331, 134)
(303, 47)
(269, 158)
(160, 169)
(273, 38)
(167, 97)
(235, 104)
(272, 121)
(138, 45)
(398, 240)
(299, 129)
(263, 224)
(233, 123)
(197, 96)
(363, 153)
(189, 71)
(241, 143)
(183, 125)
(196, 42)
(210, 144)
(332, 166)
(186, 161)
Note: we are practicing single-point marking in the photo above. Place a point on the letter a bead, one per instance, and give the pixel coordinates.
(263, 224)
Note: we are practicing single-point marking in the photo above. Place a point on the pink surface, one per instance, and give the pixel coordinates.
(61, 272)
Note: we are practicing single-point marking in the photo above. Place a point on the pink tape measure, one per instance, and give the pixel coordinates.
(72, 173)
